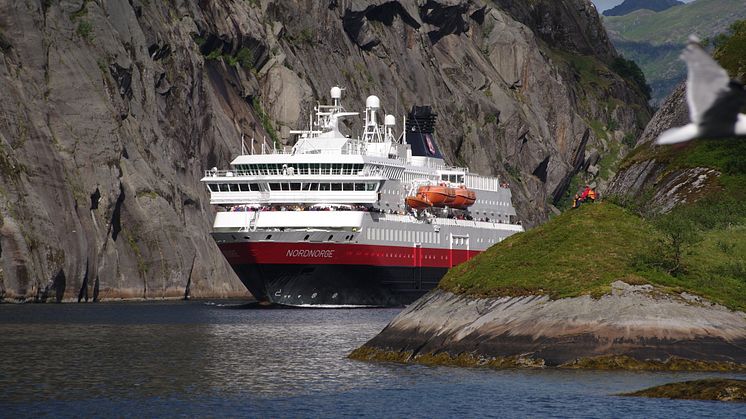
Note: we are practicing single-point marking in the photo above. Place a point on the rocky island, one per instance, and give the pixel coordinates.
(652, 279)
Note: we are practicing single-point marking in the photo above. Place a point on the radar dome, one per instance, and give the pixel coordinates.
(389, 121)
(336, 93)
(373, 102)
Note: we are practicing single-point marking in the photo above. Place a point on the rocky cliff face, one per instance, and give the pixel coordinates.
(650, 184)
(112, 110)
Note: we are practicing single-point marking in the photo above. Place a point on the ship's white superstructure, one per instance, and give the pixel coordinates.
(326, 222)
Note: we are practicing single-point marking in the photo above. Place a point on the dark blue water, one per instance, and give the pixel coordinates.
(196, 359)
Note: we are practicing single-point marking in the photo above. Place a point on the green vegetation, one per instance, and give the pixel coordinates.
(244, 57)
(610, 160)
(264, 119)
(304, 36)
(590, 72)
(142, 266)
(471, 360)
(82, 11)
(84, 30)
(654, 40)
(698, 247)
(708, 389)
(578, 252)
(583, 251)
(731, 48)
(628, 69)
(307, 36)
(673, 26)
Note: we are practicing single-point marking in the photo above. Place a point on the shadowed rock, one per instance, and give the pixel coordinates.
(725, 390)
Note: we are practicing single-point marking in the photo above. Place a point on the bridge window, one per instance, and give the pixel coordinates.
(371, 186)
(224, 187)
(336, 186)
(348, 186)
(244, 187)
(324, 186)
(213, 187)
(359, 186)
(295, 186)
(275, 187)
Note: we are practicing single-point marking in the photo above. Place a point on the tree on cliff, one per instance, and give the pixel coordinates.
(678, 237)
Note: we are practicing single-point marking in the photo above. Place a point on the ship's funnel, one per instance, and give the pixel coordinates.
(419, 132)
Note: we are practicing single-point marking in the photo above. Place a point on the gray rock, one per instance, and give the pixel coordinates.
(633, 321)
(118, 100)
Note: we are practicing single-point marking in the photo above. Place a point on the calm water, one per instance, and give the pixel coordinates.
(198, 359)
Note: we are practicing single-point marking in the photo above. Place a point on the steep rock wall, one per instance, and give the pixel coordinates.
(113, 110)
(649, 184)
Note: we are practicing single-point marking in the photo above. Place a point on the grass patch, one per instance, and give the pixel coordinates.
(581, 252)
(575, 253)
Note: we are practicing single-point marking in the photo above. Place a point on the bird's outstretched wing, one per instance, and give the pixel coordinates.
(678, 135)
(706, 80)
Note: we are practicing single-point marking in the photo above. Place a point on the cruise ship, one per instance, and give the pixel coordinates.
(342, 221)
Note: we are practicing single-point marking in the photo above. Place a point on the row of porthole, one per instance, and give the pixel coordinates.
(396, 255)
(331, 237)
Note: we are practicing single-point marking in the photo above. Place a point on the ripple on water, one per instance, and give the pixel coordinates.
(189, 358)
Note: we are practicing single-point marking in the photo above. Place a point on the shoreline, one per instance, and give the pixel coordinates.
(633, 328)
(233, 297)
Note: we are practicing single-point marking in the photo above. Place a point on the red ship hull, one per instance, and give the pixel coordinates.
(339, 274)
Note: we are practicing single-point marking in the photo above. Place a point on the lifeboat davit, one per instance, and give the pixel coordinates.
(464, 198)
(418, 202)
(439, 195)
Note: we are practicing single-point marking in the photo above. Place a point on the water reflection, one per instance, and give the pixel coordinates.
(292, 351)
(180, 349)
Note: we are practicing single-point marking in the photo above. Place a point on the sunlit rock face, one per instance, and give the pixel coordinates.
(636, 324)
(112, 110)
(649, 182)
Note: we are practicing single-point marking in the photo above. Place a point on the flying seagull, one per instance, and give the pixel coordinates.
(713, 98)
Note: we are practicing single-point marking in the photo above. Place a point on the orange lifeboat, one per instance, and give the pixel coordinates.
(464, 198)
(439, 195)
(418, 202)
